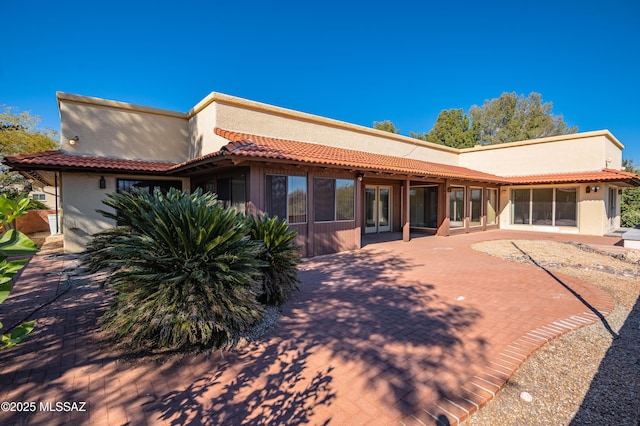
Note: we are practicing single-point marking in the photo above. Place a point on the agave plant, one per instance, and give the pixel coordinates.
(184, 267)
(282, 256)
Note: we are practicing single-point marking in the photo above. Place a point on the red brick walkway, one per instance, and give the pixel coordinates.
(423, 332)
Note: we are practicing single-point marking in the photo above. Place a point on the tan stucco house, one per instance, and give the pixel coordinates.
(333, 181)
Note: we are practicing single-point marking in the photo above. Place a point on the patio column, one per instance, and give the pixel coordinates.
(406, 211)
(310, 215)
(255, 193)
(443, 229)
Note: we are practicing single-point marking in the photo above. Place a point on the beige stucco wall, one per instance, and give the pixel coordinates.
(592, 211)
(613, 154)
(561, 154)
(231, 113)
(117, 129)
(81, 196)
(202, 139)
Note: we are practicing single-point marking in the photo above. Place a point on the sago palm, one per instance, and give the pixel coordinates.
(184, 267)
(281, 255)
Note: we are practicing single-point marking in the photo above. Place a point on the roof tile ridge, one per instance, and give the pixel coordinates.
(235, 136)
(555, 173)
(262, 141)
(619, 172)
(48, 153)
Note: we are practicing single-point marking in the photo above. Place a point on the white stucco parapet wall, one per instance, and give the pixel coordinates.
(577, 152)
(242, 115)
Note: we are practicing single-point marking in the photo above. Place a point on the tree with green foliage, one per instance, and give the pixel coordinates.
(452, 128)
(630, 202)
(19, 133)
(513, 117)
(509, 118)
(385, 125)
(13, 243)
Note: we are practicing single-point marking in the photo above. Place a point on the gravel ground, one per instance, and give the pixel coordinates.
(585, 377)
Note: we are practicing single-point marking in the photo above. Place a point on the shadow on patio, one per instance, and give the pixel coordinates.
(359, 341)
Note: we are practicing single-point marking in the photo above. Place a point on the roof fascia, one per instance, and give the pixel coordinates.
(583, 135)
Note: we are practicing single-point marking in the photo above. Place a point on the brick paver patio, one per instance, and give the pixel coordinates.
(423, 332)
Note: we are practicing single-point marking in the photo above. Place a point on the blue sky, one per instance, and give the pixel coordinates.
(359, 62)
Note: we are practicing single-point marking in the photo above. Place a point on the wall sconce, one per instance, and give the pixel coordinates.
(596, 188)
(620, 191)
(588, 189)
(360, 176)
(103, 182)
(74, 140)
(448, 189)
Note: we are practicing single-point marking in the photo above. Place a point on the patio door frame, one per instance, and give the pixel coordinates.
(375, 210)
(612, 208)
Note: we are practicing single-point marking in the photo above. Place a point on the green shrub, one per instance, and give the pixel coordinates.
(280, 275)
(18, 195)
(184, 267)
(13, 243)
(630, 218)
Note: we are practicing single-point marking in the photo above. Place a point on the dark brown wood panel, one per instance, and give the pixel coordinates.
(332, 237)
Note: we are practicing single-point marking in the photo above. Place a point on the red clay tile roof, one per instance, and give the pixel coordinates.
(262, 147)
(57, 160)
(605, 175)
(253, 146)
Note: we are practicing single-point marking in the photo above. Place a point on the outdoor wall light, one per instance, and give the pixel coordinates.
(103, 182)
(360, 176)
(596, 188)
(448, 189)
(74, 140)
(588, 190)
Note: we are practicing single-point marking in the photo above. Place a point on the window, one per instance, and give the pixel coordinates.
(475, 207)
(566, 203)
(39, 197)
(334, 199)
(345, 199)
(456, 208)
(286, 197)
(423, 203)
(545, 206)
(492, 206)
(231, 192)
(542, 206)
(520, 200)
(149, 185)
